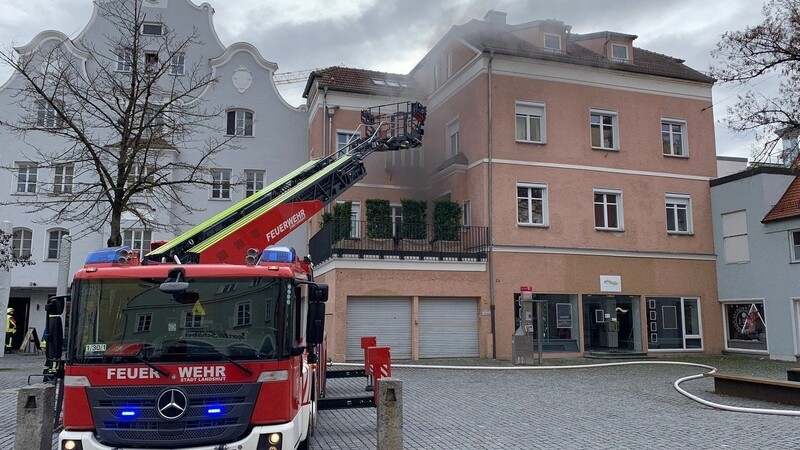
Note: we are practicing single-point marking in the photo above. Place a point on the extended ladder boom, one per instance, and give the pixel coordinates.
(273, 212)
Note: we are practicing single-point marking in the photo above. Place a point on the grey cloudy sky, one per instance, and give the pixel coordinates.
(392, 35)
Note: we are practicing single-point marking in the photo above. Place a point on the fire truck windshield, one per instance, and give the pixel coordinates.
(131, 320)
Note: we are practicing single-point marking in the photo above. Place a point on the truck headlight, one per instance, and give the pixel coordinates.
(71, 445)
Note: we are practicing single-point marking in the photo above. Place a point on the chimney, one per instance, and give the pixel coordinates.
(495, 17)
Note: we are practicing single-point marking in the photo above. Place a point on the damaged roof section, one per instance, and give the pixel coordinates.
(504, 39)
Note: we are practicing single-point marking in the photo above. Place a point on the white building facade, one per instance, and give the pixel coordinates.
(268, 137)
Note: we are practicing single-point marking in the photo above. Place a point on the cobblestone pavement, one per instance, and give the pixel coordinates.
(600, 408)
(14, 371)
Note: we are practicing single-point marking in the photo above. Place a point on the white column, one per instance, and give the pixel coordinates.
(5, 286)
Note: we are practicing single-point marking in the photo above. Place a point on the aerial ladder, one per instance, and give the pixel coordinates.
(275, 211)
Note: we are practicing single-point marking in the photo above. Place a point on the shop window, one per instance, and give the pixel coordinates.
(673, 323)
(746, 326)
(560, 321)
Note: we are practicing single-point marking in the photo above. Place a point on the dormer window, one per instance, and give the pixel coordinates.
(152, 29)
(619, 52)
(552, 42)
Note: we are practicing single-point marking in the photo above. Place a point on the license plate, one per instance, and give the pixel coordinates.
(95, 348)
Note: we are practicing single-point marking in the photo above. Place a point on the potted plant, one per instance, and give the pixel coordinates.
(379, 219)
(446, 220)
(414, 214)
(342, 220)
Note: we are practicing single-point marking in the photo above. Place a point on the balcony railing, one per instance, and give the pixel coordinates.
(363, 239)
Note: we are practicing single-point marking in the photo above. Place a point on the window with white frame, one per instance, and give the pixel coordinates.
(604, 131)
(608, 209)
(355, 218)
(745, 325)
(63, 177)
(26, 174)
(674, 323)
(452, 138)
(54, 238)
(532, 204)
(177, 64)
(137, 239)
(396, 212)
(552, 42)
(152, 29)
(21, 240)
(673, 137)
(530, 122)
(144, 176)
(220, 184)
(466, 210)
(152, 63)
(144, 322)
(734, 237)
(345, 137)
(254, 182)
(242, 314)
(124, 61)
(192, 320)
(619, 52)
(679, 213)
(46, 115)
(794, 242)
(240, 122)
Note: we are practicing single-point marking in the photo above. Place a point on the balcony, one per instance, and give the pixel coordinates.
(358, 239)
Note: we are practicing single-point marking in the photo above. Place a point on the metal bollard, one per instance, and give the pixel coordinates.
(36, 406)
(390, 414)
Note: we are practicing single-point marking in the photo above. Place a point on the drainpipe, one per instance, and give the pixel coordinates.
(324, 115)
(489, 207)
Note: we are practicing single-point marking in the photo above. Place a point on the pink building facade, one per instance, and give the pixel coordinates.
(581, 162)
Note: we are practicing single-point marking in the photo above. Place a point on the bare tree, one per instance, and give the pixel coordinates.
(121, 122)
(770, 49)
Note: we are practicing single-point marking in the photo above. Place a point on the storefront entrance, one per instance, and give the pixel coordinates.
(611, 323)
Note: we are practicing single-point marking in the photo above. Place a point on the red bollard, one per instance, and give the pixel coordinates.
(368, 342)
(380, 359)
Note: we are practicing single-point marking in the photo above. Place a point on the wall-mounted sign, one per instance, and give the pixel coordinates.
(526, 288)
(563, 315)
(610, 283)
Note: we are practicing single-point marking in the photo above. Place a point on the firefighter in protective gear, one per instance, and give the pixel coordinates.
(11, 329)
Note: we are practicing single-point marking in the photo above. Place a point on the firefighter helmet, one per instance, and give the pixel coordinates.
(10, 311)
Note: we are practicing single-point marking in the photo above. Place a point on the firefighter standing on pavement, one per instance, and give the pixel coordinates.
(11, 329)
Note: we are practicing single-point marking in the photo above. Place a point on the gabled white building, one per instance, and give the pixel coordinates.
(270, 140)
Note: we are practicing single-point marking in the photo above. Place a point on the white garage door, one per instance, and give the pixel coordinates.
(448, 328)
(386, 318)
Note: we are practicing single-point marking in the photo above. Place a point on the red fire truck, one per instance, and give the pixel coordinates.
(208, 341)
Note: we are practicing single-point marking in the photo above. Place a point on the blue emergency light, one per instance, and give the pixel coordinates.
(128, 413)
(276, 254)
(119, 255)
(214, 411)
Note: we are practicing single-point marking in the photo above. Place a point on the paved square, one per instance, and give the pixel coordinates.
(600, 408)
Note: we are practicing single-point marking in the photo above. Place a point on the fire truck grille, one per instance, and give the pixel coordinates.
(215, 413)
